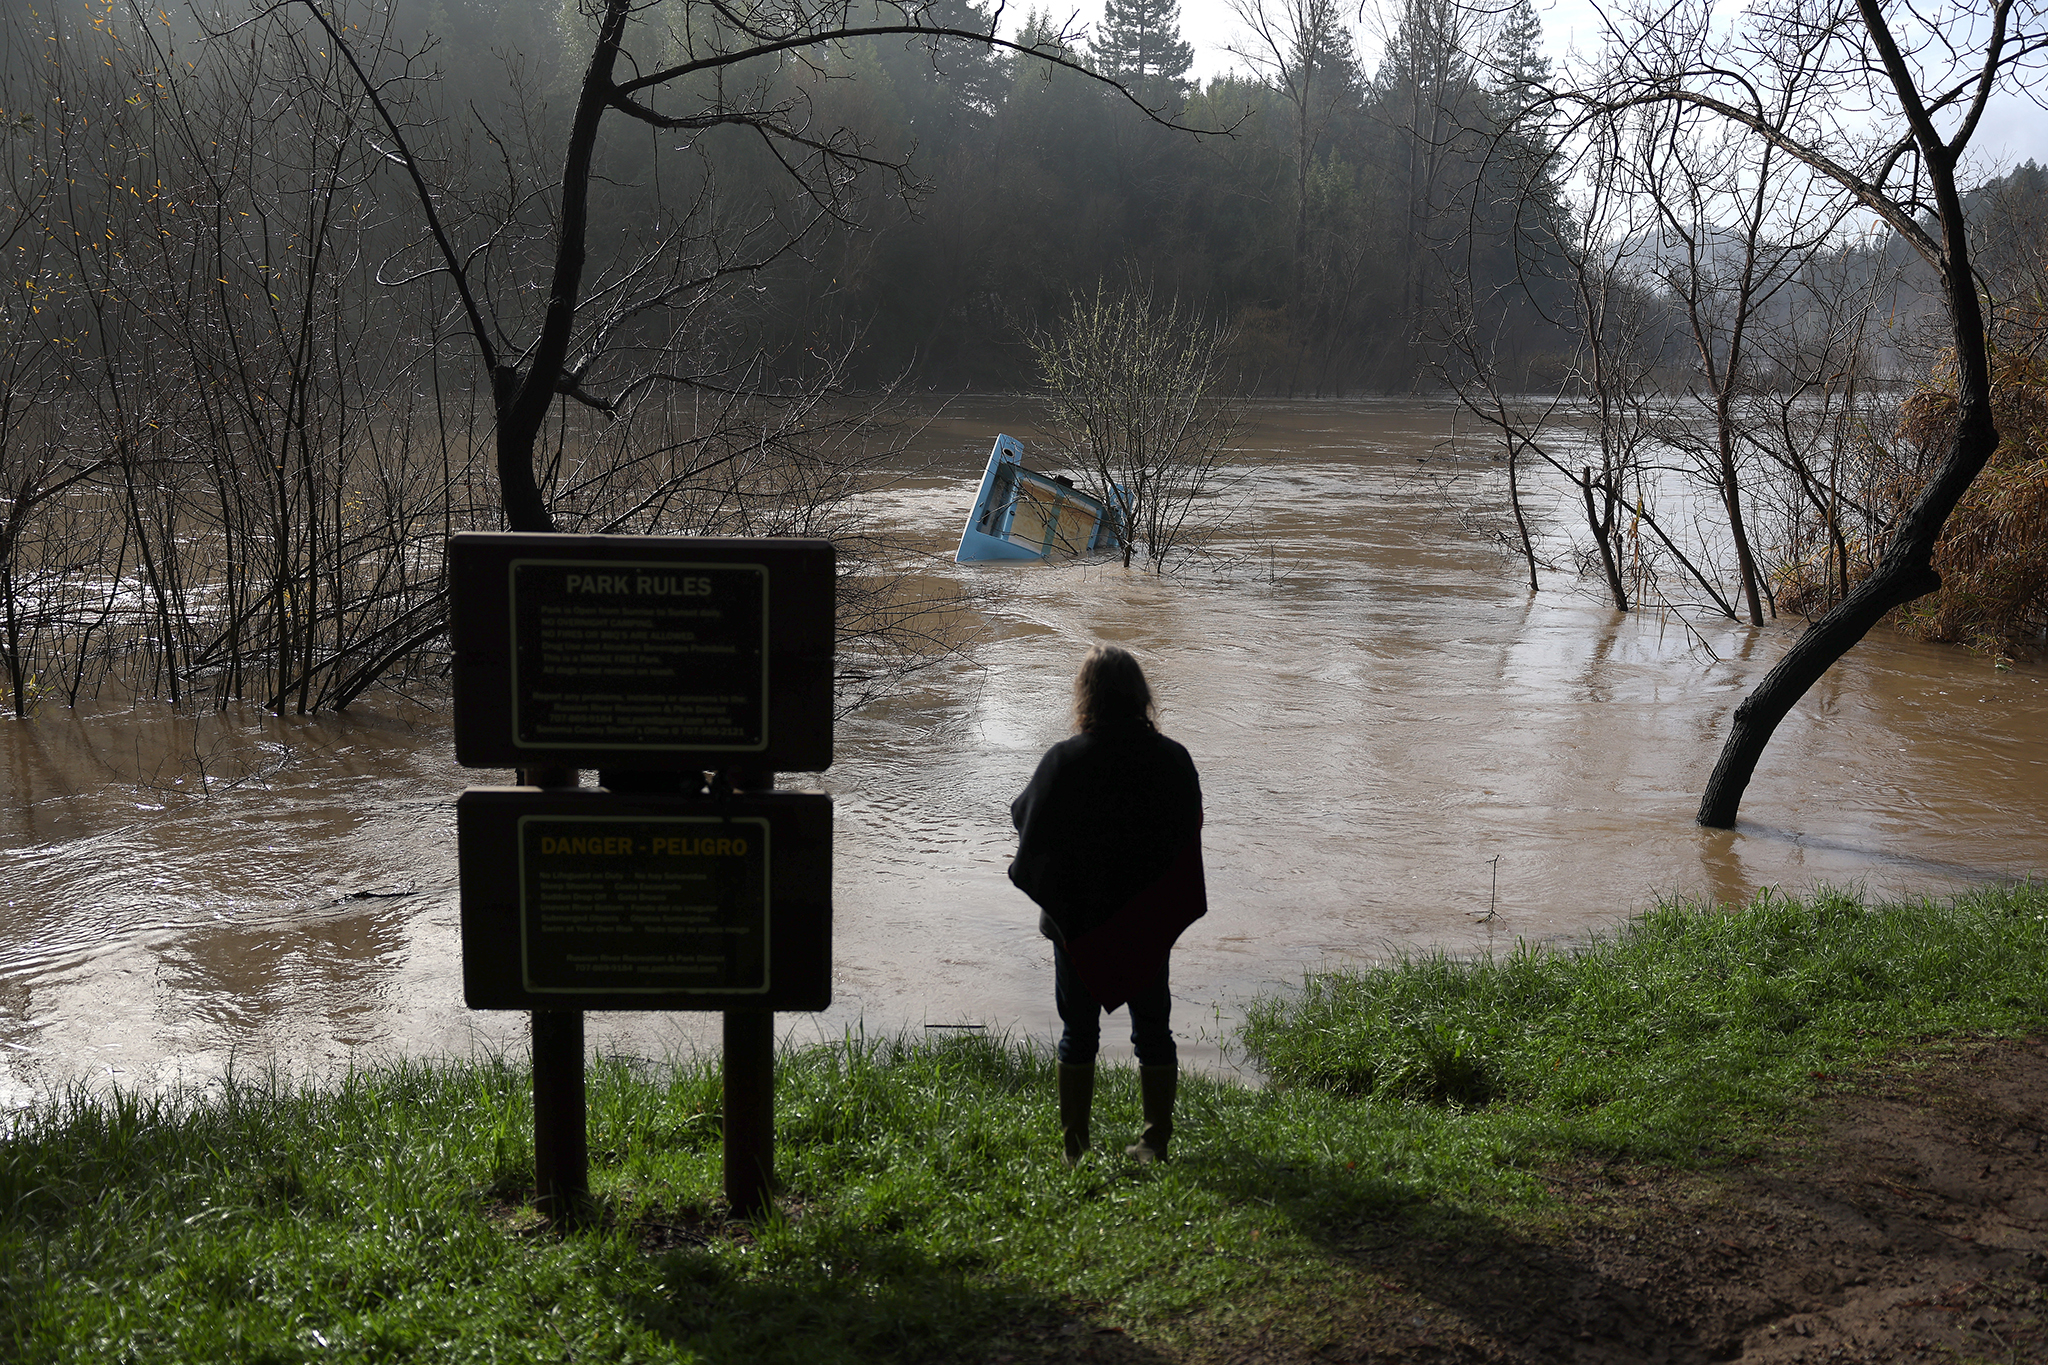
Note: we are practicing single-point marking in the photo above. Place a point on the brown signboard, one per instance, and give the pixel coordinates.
(642, 652)
(585, 899)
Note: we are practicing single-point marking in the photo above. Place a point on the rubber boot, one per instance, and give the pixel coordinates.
(1156, 1085)
(1077, 1097)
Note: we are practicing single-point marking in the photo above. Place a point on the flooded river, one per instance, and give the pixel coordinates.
(1393, 737)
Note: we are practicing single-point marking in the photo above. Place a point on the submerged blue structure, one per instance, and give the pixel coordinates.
(1022, 514)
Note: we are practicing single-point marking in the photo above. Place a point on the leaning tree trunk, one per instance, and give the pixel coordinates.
(1907, 570)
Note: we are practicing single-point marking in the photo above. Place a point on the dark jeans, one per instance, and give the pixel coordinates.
(1150, 1036)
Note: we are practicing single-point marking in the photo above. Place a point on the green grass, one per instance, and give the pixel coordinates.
(925, 1211)
(1678, 1032)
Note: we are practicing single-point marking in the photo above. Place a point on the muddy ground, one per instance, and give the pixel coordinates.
(1905, 1219)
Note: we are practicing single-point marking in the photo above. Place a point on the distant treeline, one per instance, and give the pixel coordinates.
(1314, 218)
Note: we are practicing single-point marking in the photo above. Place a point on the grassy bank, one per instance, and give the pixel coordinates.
(926, 1214)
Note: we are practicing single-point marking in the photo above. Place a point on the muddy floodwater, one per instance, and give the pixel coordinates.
(1393, 736)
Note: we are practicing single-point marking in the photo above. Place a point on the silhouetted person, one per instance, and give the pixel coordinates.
(1109, 846)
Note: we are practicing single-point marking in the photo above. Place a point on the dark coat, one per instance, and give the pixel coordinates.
(1105, 816)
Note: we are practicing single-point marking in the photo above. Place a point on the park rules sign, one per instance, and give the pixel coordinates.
(656, 660)
(642, 652)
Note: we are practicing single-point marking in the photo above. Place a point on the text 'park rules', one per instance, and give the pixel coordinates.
(639, 655)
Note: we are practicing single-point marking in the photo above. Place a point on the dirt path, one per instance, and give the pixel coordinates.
(1910, 1224)
(1907, 1222)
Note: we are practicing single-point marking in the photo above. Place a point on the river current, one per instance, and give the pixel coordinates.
(1401, 750)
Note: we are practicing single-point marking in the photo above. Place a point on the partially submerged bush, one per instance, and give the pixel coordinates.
(1135, 399)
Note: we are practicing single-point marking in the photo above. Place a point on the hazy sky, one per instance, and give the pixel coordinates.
(2012, 134)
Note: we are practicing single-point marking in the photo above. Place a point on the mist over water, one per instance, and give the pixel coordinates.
(1378, 707)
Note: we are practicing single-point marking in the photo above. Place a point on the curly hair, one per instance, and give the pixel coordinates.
(1111, 689)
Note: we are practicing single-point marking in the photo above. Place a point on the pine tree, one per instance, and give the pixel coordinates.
(1520, 77)
(1140, 44)
(1519, 66)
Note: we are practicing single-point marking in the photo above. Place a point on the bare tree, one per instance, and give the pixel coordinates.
(231, 449)
(1135, 400)
(1818, 421)
(1899, 91)
(599, 336)
(680, 431)
(1602, 431)
(40, 466)
(1730, 232)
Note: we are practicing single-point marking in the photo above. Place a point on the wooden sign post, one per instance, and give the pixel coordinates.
(687, 672)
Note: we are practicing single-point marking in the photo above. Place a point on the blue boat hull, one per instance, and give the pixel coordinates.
(1021, 514)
